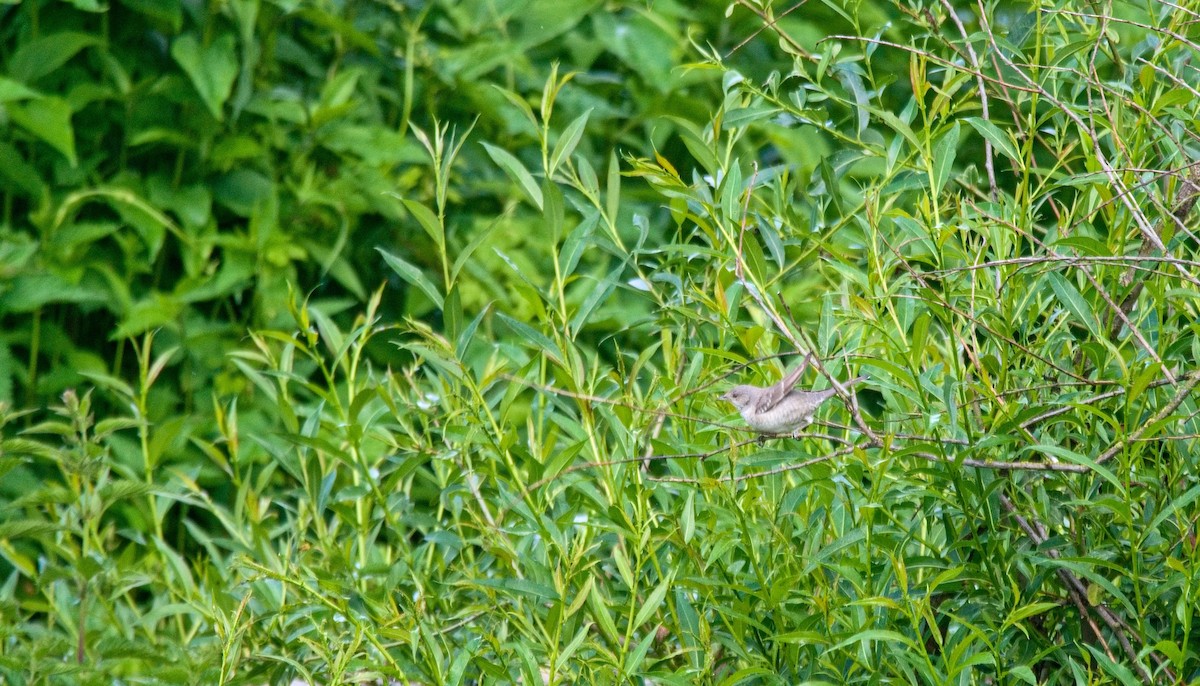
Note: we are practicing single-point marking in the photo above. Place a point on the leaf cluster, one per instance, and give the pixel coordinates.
(518, 471)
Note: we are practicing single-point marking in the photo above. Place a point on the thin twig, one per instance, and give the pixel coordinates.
(1075, 591)
(1182, 394)
(983, 96)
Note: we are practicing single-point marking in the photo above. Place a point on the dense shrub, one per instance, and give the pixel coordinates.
(406, 323)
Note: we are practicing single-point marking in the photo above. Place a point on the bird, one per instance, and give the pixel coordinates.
(780, 409)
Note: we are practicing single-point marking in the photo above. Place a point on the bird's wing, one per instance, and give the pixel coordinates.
(771, 395)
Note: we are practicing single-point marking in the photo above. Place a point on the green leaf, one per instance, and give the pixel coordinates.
(898, 125)
(1076, 458)
(654, 601)
(428, 221)
(13, 90)
(169, 12)
(568, 140)
(463, 255)
(49, 119)
(41, 56)
(601, 614)
(517, 172)
(414, 276)
(212, 68)
(1000, 140)
(1026, 611)
(871, 635)
(522, 106)
(693, 140)
(579, 238)
(1123, 673)
(1070, 298)
(612, 195)
(151, 313)
(28, 291)
(528, 334)
(633, 660)
(553, 212)
(522, 587)
(21, 177)
(598, 295)
(687, 520)
(944, 154)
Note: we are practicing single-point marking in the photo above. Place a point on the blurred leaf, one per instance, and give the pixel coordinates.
(11, 91)
(212, 68)
(49, 119)
(21, 176)
(38, 57)
(167, 11)
(158, 310)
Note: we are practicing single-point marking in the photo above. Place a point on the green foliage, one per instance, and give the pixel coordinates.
(508, 464)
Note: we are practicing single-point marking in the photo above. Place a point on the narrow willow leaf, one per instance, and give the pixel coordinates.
(580, 597)
(1070, 297)
(1086, 245)
(612, 196)
(653, 601)
(694, 141)
(1122, 672)
(1076, 458)
(517, 172)
(573, 645)
(1026, 611)
(521, 105)
(622, 563)
(468, 333)
(898, 125)
(466, 252)
(882, 635)
(1000, 140)
(731, 194)
(602, 616)
(452, 313)
(1175, 508)
(633, 660)
(687, 524)
(598, 295)
(530, 335)
(428, 221)
(414, 276)
(568, 141)
(944, 154)
(576, 241)
(553, 212)
(587, 177)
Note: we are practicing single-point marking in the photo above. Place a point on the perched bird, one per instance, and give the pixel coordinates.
(780, 409)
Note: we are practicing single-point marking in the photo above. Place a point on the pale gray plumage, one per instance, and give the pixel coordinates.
(780, 409)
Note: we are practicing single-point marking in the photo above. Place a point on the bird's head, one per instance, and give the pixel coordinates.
(739, 396)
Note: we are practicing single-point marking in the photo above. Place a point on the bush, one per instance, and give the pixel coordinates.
(508, 463)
